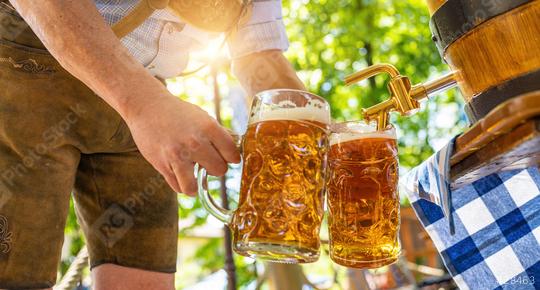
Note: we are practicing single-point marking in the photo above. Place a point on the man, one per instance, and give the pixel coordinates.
(82, 110)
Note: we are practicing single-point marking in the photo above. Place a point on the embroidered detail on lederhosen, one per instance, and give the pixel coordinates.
(28, 65)
(5, 236)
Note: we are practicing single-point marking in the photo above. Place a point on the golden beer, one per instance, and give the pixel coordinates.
(284, 152)
(362, 196)
(281, 197)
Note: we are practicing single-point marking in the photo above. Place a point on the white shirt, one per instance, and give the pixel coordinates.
(163, 42)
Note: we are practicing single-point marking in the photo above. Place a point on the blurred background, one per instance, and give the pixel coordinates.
(329, 39)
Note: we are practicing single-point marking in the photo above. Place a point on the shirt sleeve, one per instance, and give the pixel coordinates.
(264, 31)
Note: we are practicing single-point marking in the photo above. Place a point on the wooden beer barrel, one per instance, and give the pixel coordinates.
(493, 45)
(434, 5)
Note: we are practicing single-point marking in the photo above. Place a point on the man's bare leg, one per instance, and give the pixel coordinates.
(114, 277)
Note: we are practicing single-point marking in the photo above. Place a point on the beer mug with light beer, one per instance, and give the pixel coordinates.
(283, 176)
(362, 195)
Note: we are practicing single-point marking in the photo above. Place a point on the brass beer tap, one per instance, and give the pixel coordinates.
(404, 97)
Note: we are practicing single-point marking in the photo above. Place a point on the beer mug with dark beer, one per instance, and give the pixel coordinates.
(283, 176)
(362, 195)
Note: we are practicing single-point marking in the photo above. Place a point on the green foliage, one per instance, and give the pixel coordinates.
(211, 256)
(72, 230)
(213, 248)
(191, 208)
(332, 39)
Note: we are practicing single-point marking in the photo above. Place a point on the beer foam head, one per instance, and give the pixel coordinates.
(315, 111)
(350, 131)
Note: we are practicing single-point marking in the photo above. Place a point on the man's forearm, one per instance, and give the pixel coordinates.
(77, 36)
(266, 70)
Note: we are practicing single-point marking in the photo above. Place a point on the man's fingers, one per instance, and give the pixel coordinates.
(225, 145)
(171, 180)
(185, 177)
(209, 158)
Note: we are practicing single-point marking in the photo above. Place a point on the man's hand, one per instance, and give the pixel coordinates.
(173, 135)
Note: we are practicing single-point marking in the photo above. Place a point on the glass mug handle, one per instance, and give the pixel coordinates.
(223, 215)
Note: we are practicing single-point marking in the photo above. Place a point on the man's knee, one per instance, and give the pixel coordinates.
(115, 277)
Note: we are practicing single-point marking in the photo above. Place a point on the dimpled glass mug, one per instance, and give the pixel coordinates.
(283, 178)
(363, 200)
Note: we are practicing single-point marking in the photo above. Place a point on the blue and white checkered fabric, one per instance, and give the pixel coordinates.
(431, 181)
(496, 244)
